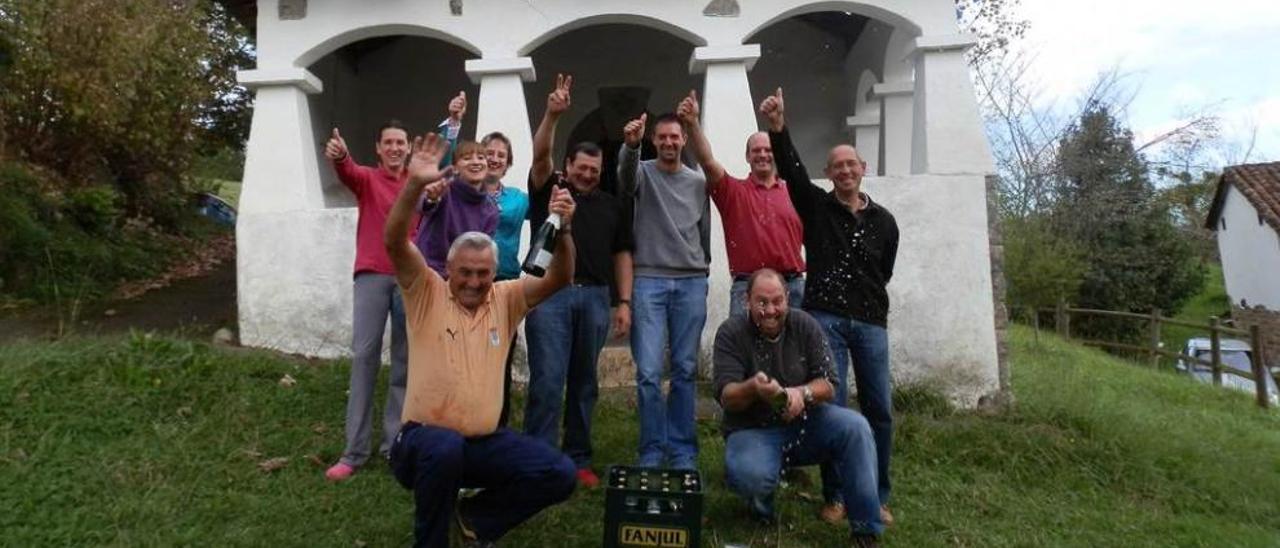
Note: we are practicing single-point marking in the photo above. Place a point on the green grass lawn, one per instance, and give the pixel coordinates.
(156, 442)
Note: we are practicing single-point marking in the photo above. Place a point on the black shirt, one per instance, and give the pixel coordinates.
(601, 228)
(850, 257)
(798, 356)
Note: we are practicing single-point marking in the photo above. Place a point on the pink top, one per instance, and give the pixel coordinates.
(376, 190)
(761, 228)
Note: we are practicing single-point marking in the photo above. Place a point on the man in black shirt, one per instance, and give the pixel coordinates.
(851, 244)
(773, 378)
(567, 331)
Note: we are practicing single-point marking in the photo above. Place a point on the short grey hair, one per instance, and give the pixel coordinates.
(473, 240)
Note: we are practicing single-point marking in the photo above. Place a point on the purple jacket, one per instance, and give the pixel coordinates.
(461, 209)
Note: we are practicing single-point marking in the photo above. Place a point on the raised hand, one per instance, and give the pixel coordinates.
(434, 191)
(559, 100)
(424, 164)
(458, 107)
(634, 131)
(562, 204)
(688, 111)
(772, 108)
(336, 148)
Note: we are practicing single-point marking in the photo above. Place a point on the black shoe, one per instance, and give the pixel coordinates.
(864, 541)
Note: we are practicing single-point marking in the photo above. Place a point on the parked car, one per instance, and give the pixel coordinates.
(1236, 356)
(216, 208)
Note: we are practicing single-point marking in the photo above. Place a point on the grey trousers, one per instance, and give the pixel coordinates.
(375, 296)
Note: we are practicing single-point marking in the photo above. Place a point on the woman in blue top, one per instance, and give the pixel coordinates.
(512, 204)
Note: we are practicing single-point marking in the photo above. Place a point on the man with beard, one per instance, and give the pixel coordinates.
(459, 334)
(852, 244)
(773, 379)
(672, 255)
(568, 330)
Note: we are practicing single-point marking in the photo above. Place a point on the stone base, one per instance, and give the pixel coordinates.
(1268, 322)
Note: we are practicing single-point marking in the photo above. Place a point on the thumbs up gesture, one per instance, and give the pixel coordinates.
(634, 131)
(772, 109)
(688, 109)
(336, 148)
(458, 107)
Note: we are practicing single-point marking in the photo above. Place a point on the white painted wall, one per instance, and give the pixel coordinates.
(1250, 254)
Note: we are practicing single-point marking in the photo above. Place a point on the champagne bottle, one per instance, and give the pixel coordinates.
(544, 244)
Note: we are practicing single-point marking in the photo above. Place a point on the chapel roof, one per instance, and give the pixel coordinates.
(1260, 185)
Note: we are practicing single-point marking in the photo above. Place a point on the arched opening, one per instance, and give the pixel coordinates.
(630, 69)
(373, 80)
(818, 58)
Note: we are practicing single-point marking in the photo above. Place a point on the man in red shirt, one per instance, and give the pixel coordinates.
(374, 294)
(761, 228)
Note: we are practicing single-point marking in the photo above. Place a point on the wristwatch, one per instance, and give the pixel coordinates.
(808, 394)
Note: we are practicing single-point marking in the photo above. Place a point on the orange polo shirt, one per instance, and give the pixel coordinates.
(457, 358)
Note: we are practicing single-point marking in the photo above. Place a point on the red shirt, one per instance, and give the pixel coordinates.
(376, 191)
(761, 228)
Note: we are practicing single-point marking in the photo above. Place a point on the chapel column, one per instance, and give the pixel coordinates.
(501, 107)
(947, 128)
(281, 168)
(895, 127)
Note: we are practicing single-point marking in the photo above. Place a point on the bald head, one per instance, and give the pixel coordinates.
(845, 169)
(760, 156)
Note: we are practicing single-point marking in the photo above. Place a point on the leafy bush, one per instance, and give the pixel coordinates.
(94, 208)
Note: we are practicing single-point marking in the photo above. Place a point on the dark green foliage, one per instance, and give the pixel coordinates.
(1041, 267)
(122, 93)
(56, 247)
(1136, 259)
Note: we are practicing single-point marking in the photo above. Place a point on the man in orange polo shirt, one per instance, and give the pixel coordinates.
(459, 334)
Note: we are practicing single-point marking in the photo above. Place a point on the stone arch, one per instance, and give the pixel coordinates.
(350, 36)
(870, 10)
(619, 18)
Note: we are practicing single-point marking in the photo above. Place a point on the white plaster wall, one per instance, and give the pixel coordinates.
(1250, 254)
(294, 283)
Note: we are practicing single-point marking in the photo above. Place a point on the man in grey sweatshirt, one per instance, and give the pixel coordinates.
(672, 252)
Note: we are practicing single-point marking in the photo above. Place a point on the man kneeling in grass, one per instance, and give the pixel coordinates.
(459, 333)
(773, 377)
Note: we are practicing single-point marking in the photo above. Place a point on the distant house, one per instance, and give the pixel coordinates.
(1246, 217)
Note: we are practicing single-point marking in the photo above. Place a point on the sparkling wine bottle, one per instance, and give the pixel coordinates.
(544, 244)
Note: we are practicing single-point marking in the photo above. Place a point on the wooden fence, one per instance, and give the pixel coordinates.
(1062, 322)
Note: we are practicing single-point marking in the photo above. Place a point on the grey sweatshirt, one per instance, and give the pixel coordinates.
(672, 225)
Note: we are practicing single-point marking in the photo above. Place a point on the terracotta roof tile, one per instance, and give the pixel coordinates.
(1260, 183)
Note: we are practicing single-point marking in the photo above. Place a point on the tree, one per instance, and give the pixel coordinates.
(1041, 266)
(118, 91)
(1137, 260)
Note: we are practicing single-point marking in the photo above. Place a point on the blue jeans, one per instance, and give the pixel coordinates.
(869, 346)
(566, 333)
(674, 308)
(738, 294)
(520, 477)
(840, 437)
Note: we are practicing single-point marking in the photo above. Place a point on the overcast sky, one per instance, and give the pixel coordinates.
(1179, 55)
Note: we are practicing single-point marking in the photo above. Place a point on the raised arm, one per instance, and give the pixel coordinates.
(425, 177)
(804, 194)
(335, 150)
(451, 127)
(688, 112)
(629, 155)
(558, 102)
(560, 272)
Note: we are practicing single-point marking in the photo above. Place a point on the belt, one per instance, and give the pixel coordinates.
(786, 276)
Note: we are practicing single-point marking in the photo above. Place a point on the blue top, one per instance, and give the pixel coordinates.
(512, 204)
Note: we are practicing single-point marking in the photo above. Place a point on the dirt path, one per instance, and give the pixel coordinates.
(194, 307)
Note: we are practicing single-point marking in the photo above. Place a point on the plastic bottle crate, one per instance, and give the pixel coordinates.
(652, 507)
